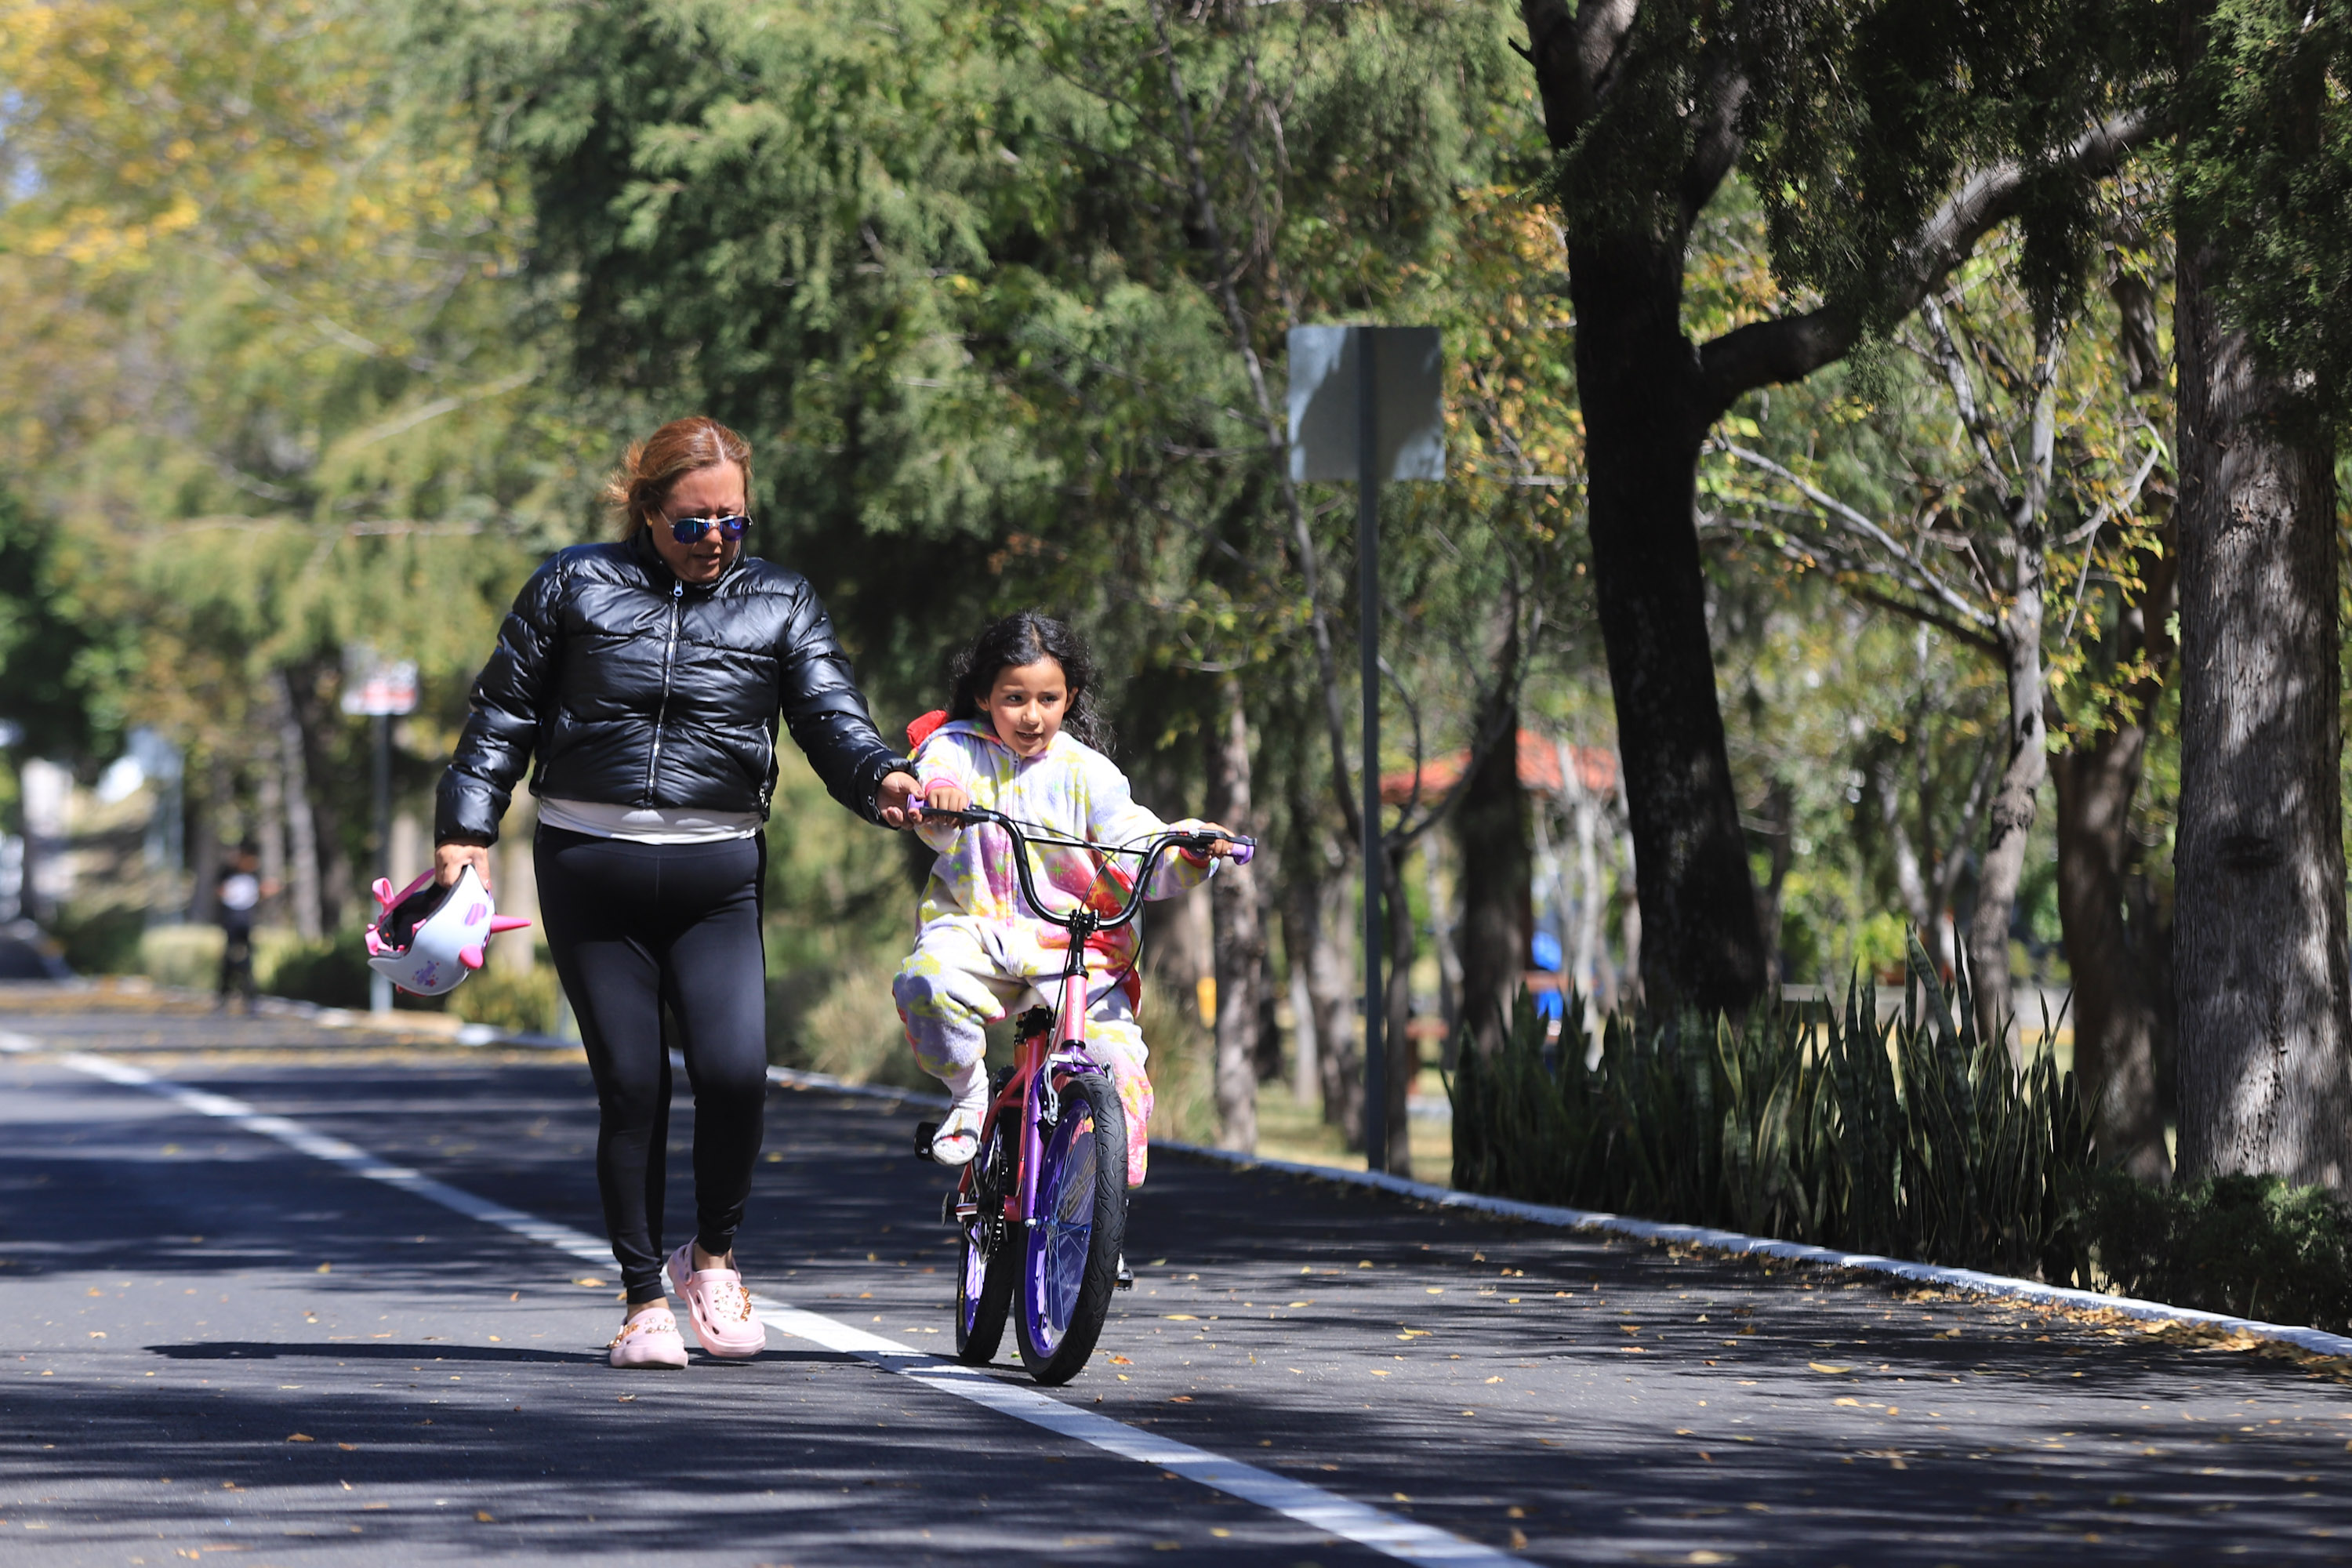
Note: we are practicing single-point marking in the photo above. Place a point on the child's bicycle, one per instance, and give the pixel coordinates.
(1043, 1205)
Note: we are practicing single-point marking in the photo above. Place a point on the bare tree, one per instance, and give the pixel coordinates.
(1975, 562)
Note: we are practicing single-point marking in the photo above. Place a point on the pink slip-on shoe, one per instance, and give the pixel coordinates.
(720, 1306)
(649, 1338)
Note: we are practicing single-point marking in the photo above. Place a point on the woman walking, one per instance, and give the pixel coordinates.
(645, 679)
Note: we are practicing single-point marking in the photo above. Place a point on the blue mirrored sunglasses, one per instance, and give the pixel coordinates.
(687, 530)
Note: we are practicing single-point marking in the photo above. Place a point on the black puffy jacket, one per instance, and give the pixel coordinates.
(634, 688)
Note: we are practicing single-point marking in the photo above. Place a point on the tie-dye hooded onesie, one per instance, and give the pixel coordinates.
(981, 952)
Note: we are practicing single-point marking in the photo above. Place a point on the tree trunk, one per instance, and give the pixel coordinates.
(2115, 1016)
(1586, 959)
(1331, 979)
(1305, 1071)
(1777, 827)
(303, 899)
(270, 819)
(1910, 880)
(1402, 1059)
(1490, 823)
(518, 891)
(2014, 803)
(1238, 947)
(1646, 416)
(1442, 944)
(1266, 1060)
(2012, 823)
(2118, 1012)
(338, 886)
(1317, 937)
(2259, 932)
(1629, 926)
(203, 843)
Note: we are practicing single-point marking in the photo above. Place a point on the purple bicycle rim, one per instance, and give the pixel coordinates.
(1056, 1261)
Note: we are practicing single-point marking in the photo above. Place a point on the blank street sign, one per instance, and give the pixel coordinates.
(1332, 407)
(1408, 372)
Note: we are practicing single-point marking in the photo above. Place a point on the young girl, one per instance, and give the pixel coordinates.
(1015, 742)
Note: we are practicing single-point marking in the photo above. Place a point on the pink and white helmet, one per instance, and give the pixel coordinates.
(428, 938)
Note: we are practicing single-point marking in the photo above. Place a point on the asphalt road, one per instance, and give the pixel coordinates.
(216, 1344)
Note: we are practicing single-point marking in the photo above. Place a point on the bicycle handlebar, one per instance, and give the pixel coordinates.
(1158, 845)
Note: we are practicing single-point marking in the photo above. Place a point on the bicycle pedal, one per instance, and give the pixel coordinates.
(1126, 1275)
(924, 1132)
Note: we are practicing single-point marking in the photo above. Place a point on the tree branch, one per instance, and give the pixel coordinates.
(1790, 348)
(1812, 552)
(1964, 398)
(1927, 579)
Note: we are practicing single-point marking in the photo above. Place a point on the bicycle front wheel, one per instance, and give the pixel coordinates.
(1070, 1259)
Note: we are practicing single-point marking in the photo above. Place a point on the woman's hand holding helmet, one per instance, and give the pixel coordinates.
(450, 861)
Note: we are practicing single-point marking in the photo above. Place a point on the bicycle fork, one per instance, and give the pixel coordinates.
(1040, 1106)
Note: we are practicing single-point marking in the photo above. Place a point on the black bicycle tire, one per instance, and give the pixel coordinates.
(1100, 1280)
(978, 1345)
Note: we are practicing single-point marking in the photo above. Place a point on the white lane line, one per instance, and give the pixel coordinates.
(11, 1042)
(1387, 1534)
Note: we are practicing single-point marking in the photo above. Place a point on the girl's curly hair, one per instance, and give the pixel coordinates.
(1025, 638)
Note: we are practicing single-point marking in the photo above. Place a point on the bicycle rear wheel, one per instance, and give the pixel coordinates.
(985, 1272)
(1069, 1263)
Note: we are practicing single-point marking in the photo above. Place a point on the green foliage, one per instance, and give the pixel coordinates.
(2265, 180)
(60, 666)
(101, 938)
(2248, 1245)
(183, 957)
(1864, 117)
(331, 971)
(521, 1003)
(995, 291)
(846, 1026)
(1909, 1137)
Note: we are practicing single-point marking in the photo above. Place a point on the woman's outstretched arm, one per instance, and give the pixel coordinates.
(828, 720)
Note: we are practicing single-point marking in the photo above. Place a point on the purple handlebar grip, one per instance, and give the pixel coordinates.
(1242, 852)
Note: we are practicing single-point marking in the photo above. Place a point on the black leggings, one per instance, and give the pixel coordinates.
(634, 927)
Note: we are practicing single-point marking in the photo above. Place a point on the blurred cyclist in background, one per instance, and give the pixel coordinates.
(234, 901)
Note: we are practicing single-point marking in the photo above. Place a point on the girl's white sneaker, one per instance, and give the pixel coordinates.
(958, 1138)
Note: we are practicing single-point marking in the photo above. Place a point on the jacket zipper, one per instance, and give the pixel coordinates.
(669, 653)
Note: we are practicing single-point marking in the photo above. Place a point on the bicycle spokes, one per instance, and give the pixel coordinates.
(1066, 1203)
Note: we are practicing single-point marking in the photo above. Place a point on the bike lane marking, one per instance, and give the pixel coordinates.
(1390, 1534)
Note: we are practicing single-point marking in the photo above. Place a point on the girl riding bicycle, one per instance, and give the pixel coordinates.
(1016, 740)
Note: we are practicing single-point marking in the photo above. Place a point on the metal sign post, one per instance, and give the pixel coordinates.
(1366, 404)
(383, 689)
